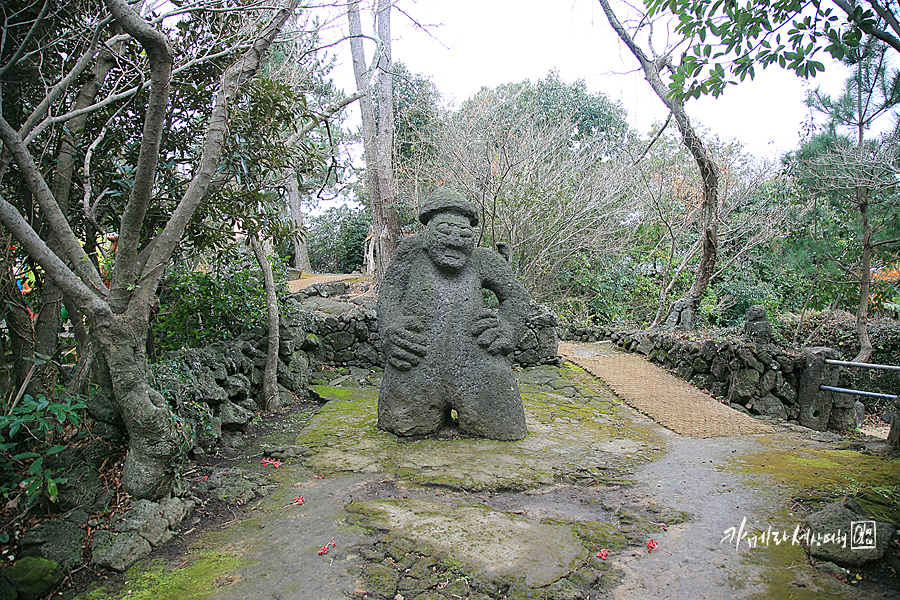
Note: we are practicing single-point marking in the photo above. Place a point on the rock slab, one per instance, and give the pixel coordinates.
(842, 533)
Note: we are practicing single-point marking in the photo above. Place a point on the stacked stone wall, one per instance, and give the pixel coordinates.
(761, 380)
(218, 389)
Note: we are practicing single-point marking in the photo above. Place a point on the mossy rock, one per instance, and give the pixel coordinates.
(34, 577)
(492, 543)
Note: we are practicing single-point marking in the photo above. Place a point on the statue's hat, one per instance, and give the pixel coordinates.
(446, 200)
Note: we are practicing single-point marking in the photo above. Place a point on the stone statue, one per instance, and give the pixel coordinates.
(682, 315)
(757, 326)
(444, 350)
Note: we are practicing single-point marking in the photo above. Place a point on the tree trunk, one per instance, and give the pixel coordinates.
(77, 383)
(370, 253)
(47, 325)
(377, 137)
(153, 441)
(270, 399)
(301, 251)
(865, 278)
(119, 318)
(21, 334)
(893, 438)
(687, 307)
(388, 238)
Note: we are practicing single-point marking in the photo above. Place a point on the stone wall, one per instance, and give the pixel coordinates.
(217, 389)
(759, 379)
(754, 379)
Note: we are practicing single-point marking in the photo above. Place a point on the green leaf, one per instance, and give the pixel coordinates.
(26, 456)
(36, 466)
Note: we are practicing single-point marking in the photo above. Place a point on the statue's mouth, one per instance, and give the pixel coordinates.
(453, 258)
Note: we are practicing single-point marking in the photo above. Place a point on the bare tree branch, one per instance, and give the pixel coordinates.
(50, 209)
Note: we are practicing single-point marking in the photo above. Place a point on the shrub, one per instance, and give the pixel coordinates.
(606, 289)
(29, 433)
(337, 240)
(199, 307)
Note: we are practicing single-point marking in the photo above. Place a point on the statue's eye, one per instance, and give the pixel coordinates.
(451, 228)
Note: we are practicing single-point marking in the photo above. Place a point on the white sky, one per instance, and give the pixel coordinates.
(491, 42)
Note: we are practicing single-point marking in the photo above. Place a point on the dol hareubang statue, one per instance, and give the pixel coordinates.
(444, 350)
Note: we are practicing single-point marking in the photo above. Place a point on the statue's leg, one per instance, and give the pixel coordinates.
(411, 402)
(488, 401)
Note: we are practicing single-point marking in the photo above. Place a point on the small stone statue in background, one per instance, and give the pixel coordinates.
(682, 315)
(757, 327)
(444, 350)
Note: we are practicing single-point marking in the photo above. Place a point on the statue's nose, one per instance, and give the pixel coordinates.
(456, 240)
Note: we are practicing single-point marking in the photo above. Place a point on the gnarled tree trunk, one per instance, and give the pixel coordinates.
(684, 313)
(153, 438)
(47, 325)
(118, 318)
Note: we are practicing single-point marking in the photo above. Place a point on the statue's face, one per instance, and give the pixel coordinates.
(449, 241)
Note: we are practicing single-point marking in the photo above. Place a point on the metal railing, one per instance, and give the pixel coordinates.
(845, 363)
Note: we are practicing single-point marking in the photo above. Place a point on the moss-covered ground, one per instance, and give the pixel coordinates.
(801, 477)
(577, 432)
(446, 517)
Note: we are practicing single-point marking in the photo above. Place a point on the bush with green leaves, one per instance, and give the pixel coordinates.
(203, 305)
(29, 434)
(606, 289)
(337, 240)
(727, 300)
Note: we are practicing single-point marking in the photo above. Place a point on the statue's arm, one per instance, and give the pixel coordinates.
(514, 300)
(402, 335)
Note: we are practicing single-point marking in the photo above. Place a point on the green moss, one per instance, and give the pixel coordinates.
(157, 580)
(788, 576)
(587, 439)
(332, 392)
(814, 473)
(596, 534)
(819, 469)
(381, 578)
(570, 368)
(881, 503)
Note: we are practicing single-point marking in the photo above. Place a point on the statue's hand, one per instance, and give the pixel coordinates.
(406, 343)
(486, 328)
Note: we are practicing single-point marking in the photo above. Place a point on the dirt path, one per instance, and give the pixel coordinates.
(666, 399)
(310, 280)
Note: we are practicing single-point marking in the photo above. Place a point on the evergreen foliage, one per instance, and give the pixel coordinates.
(337, 240)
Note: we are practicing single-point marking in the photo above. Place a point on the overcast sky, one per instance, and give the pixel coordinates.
(475, 43)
